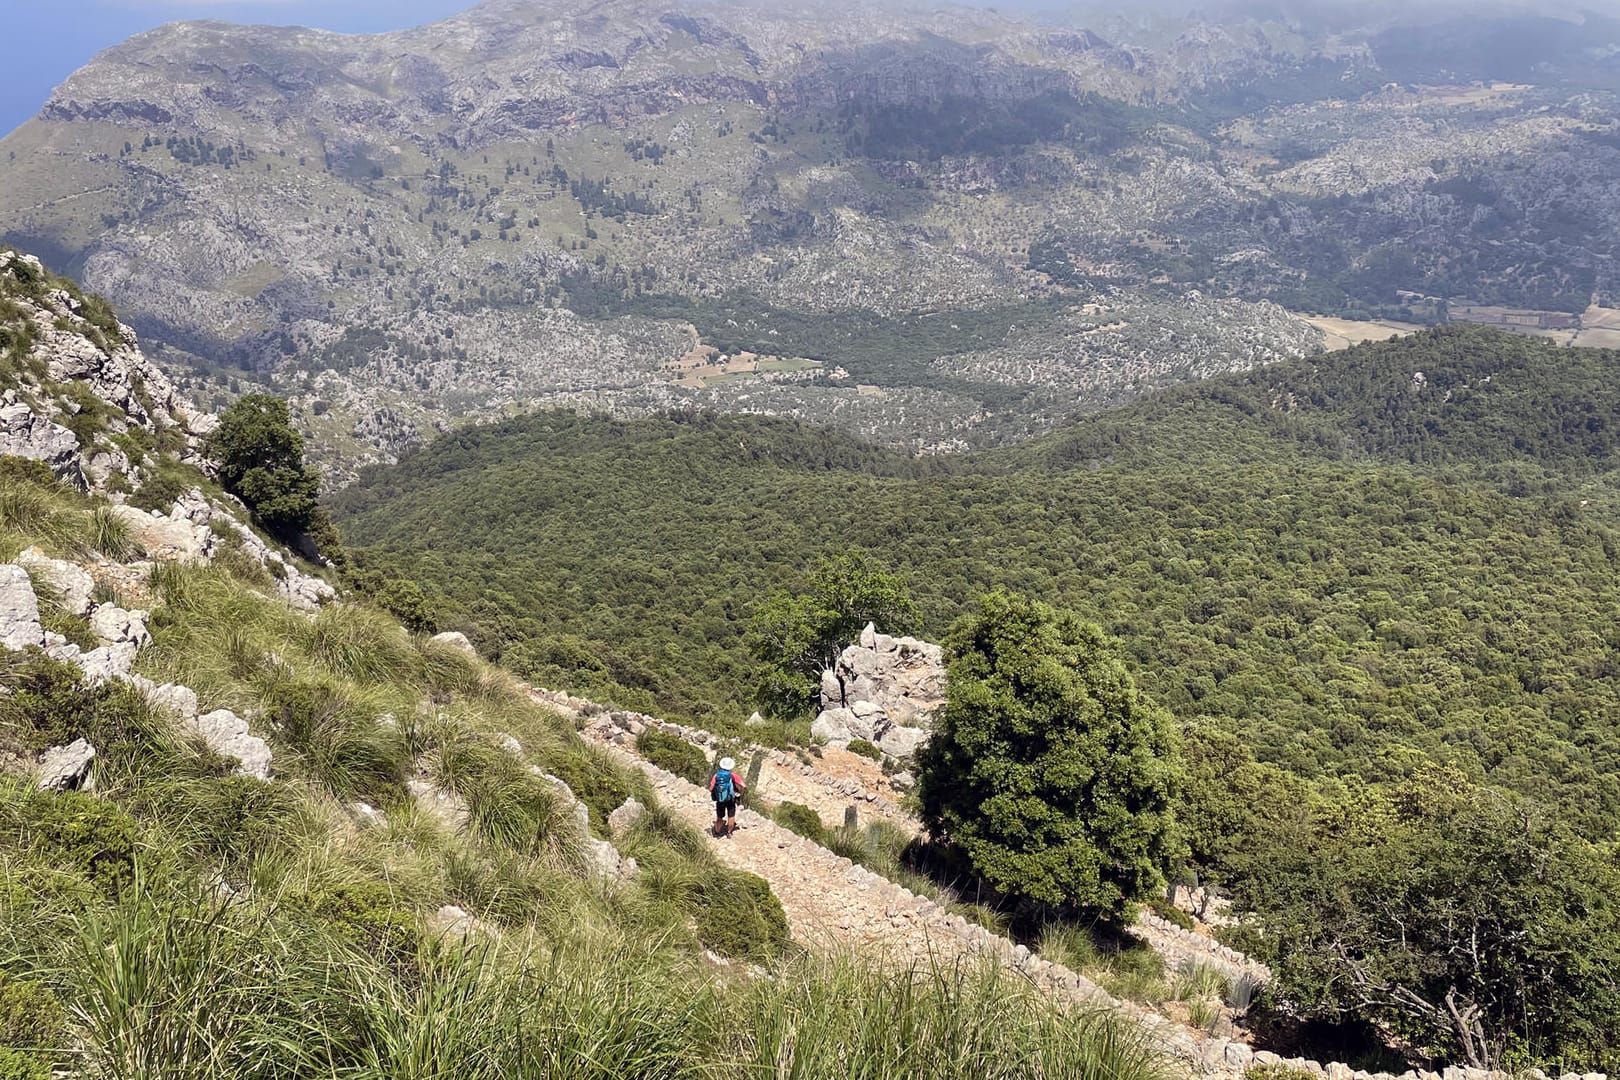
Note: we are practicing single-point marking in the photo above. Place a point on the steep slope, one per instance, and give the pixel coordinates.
(1275, 563)
(935, 227)
(264, 832)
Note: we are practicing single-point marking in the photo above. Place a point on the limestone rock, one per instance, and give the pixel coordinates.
(19, 610)
(107, 662)
(68, 580)
(1238, 1055)
(835, 726)
(366, 815)
(622, 820)
(227, 735)
(114, 625)
(67, 768)
(303, 591)
(25, 433)
(452, 921)
(603, 861)
(166, 539)
(899, 742)
(455, 639)
(180, 700)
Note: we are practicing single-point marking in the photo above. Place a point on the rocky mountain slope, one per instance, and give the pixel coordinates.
(933, 227)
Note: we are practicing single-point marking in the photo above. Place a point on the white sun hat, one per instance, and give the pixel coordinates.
(727, 763)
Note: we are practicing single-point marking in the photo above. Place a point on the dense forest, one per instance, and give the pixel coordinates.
(1359, 564)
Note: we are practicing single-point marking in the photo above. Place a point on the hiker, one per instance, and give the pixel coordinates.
(724, 786)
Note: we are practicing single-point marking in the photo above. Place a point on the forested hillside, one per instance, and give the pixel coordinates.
(1406, 546)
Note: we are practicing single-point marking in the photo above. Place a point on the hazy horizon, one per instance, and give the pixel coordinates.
(49, 44)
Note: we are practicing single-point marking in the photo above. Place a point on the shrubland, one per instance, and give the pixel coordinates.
(184, 921)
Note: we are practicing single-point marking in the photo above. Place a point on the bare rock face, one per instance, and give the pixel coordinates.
(227, 735)
(114, 625)
(623, 819)
(19, 610)
(883, 689)
(25, 433)
(67, 768)
(68, 580)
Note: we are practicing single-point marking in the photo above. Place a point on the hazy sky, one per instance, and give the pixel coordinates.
(48, 39)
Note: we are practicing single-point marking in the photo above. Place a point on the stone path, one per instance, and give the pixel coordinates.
(832, 903)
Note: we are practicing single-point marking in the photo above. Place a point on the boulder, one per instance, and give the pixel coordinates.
(455, 639)
(835, 726)
(366, 815)
(114, 625)
(107, 662)
(899, 742)
(67, 768)
(755, 720)
(1239, 1055)
(228, 736)
(25, 433)
(445, 807)
(622, 820)
(303, 591)
(68, 580)
(180, 700)
(19, 610)
(165, 539)
(603, 862)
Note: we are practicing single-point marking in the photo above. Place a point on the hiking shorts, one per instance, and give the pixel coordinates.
(725, 808)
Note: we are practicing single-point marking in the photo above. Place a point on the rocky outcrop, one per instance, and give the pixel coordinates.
(25, 433)
(227, 735)
(884, 690)
(67, 768)
(69, 581)
(19, 610)
(455, 639)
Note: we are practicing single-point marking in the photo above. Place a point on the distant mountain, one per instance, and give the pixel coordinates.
(935, 227)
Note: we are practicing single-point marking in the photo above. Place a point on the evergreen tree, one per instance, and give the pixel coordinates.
(261, 462)
(1047, 769)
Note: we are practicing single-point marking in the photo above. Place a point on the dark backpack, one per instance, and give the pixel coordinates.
(724, 789)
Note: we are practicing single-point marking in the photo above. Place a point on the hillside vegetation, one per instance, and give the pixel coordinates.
(185, 921)
(1354, 563)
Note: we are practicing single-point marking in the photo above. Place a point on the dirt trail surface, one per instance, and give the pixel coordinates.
(832, 903)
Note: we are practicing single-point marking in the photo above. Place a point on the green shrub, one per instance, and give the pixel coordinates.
(673, 754)
(18, 470)
(20, 1065)
(365, 915)
(865, 749)
(48, 703)
(738, 916)
(158, 492)
(800, 819)
(94, 837)
(30, 1019)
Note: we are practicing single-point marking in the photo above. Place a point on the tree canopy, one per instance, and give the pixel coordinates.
(261, 461)
(1468, 922)
(798, 636)
(1047, 768)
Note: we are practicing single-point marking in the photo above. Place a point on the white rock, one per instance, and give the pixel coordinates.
(67, 579)
(902, 742)
(834, 726)
(67, 768)
(456, 640)
(180, 700)
(624, 818)
(167, 540)
(27, 434)
(111, 662)
(366, 815)
(448, 808)
(113, 624)
(227, 735)
(869, 636)
(19, 610)
(1238, 1055)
